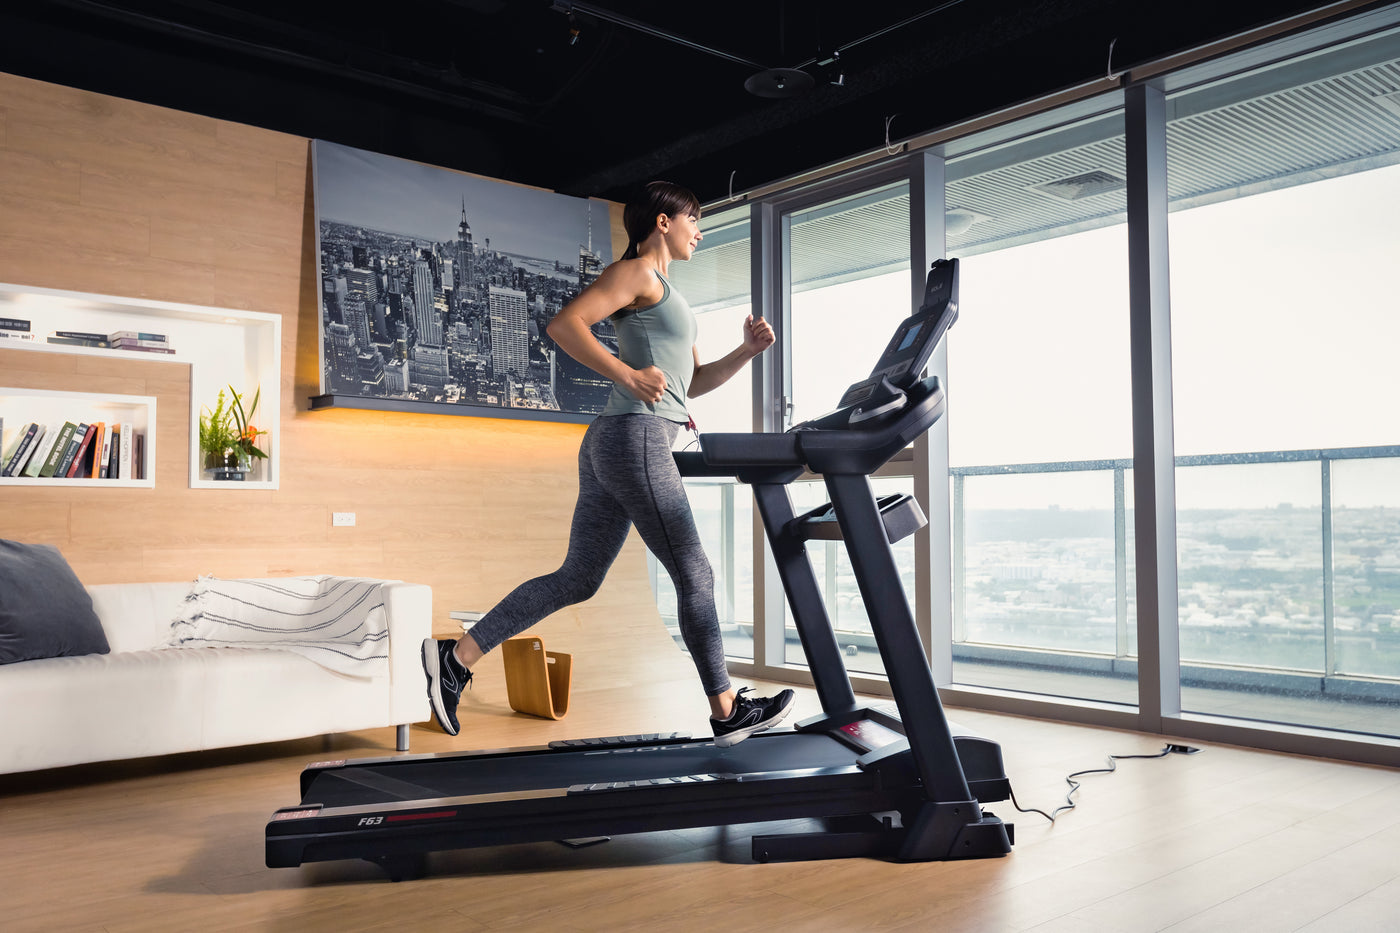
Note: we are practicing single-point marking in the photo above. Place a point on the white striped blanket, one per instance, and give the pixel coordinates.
(338, 622)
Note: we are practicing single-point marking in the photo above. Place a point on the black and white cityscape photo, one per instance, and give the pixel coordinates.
(436, 287)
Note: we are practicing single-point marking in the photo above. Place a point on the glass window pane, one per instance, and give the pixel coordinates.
(724, 517)
(1040, 417)
(1366, 566)
(837, 581)
(1042, 601)
(1249, 573)
(849, 264)
(1283, 185)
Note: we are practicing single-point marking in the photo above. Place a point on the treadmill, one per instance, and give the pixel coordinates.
(886, 780)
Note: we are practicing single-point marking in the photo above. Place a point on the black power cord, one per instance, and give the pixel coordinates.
(1113, 760)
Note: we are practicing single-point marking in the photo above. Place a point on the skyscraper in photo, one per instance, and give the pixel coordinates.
(510, 332)
(342, 364)
(590, 264)
(464, 253)
(428, 325)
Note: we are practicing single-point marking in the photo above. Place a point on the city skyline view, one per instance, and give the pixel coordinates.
(417, 310)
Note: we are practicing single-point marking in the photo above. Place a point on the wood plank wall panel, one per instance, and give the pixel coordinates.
(114, 197)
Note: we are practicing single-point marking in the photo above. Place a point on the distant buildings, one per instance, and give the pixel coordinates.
(454, 322)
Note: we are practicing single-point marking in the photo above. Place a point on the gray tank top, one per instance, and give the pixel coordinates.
(662, 335)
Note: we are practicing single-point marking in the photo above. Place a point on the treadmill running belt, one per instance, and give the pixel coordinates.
(360, 785)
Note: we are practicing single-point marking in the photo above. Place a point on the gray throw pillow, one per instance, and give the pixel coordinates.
(44, 610)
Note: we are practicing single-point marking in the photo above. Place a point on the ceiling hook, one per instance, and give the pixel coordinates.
(892, 150)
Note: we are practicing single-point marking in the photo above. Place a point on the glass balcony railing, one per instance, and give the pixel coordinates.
(1288, 582)
(1288, 566)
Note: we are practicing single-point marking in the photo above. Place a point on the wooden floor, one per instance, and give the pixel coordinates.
(1228, 839)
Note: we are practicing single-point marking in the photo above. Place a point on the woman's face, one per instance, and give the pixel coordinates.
(682, 233)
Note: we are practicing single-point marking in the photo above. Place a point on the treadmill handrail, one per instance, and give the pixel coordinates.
(826, 443)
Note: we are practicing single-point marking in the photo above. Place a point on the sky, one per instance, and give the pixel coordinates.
(1285, 330)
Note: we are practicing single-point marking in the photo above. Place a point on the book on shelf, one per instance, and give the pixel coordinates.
(104, 456)
(75, 338)
(135, 347)
(124, 462)
(138, 456)
(15, 447)
(29, 439)
(90, 457)
(14, 324)
(65, 465)
(136, 343)
(11, 445)
(114, 458)
(117, 335)
(41, 451)
(51, 462)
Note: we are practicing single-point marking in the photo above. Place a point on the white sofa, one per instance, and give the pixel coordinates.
(141, 699)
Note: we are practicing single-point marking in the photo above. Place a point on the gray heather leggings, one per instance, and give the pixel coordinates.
(626, 477)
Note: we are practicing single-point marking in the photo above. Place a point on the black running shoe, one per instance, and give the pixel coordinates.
(750, 715)
(446, 678)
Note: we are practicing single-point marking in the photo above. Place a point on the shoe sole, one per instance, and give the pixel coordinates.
(434, 674)
(737, 736)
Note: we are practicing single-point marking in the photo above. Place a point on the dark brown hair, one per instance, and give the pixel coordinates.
(656, 197)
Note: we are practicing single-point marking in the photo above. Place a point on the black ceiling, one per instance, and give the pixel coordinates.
(505, 88)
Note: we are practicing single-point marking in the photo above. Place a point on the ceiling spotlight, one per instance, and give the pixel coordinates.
(573, 29)
(780, 82)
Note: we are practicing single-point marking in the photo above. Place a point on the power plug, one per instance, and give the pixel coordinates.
(1182, 749)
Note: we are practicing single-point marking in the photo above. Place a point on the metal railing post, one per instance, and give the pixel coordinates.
(1329, 627)
(1120, 564)
(959, 561)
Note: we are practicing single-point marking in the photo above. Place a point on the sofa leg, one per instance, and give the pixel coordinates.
(403, 737)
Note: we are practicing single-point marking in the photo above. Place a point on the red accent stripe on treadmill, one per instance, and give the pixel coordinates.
(436, 814)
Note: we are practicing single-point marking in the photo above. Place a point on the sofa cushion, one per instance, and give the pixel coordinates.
(44, 610)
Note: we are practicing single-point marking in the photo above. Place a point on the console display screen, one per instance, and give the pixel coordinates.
(910, 336)
(914, 341)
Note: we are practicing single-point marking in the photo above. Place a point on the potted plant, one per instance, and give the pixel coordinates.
(228, 439)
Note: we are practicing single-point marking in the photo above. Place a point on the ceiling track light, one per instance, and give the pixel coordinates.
(767, 82)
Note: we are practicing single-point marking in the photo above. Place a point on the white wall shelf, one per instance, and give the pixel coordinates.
(221, 346)
(21, 406)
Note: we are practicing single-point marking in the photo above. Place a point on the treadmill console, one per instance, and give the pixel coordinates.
(908, 351)
(913, 343)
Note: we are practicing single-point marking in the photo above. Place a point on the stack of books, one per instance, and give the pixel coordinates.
(74, 450)
(139, 341)
(133, 340)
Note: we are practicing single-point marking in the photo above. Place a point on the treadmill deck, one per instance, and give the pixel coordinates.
(438, 777)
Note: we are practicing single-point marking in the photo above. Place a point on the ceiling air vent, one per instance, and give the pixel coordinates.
(1390, 101)
(1081, 186)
